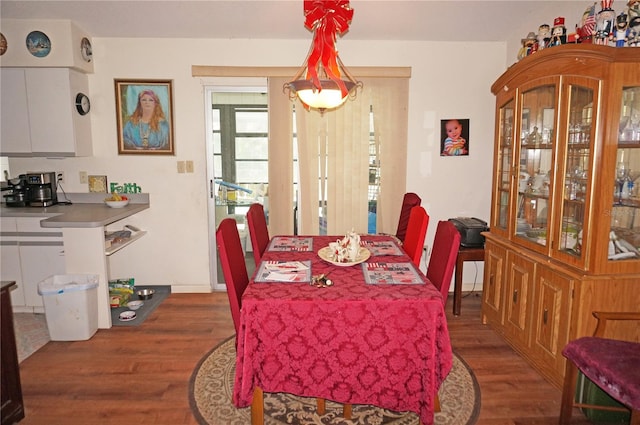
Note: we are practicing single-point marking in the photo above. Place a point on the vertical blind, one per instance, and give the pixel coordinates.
(333, 151)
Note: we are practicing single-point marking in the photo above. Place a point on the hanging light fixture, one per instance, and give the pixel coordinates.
(323, 82)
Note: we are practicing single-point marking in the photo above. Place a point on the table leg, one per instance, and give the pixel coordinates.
(457, 286)
(257, 407)
(464, 254)
(321, 406)
(347, 410)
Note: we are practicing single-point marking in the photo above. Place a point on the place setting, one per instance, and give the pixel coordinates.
(291, 243)
(284, 271)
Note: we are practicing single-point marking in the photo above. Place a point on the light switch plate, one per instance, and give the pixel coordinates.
(181, 167)
(189, 166)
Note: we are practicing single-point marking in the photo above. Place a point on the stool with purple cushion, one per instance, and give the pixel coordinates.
(613, 365)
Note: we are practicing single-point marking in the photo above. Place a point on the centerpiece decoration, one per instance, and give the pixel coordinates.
(347, 249)
(345, 252)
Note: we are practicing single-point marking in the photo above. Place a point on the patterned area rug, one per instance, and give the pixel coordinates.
(31, 333)
(211, 387)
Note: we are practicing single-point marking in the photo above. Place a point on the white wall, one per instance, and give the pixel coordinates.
(448, 80)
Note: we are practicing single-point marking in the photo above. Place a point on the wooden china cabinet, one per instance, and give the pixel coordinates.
(565, 218)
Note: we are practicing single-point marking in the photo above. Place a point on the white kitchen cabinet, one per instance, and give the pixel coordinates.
(10, 259)
(14, 132)
(29, 254)
(39, 115)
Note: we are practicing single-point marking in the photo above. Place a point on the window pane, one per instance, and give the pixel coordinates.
(215, 113)
(252, 122)
(217, 145)
(217, 166)
(252, 171)
(252, 148)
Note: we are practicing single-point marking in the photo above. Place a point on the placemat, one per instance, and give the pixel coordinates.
(382, 247)
(391, 273)
(284, 271)
(291, 243)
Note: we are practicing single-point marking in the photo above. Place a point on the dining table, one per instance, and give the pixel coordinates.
(370, 332)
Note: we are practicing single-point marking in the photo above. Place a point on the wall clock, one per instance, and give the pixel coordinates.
(82, 104)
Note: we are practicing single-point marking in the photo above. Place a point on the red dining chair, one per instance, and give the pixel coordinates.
(444, 252)
(409, 201)
(416, 232)
(610, 364)
(233, 265)
(258, 231)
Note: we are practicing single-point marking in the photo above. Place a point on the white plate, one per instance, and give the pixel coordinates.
(326, 254)
(127, 316)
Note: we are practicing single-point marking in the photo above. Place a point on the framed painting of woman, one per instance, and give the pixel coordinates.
(144, 110)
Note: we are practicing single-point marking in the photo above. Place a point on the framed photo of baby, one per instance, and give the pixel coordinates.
(144, 110)
(454, 137)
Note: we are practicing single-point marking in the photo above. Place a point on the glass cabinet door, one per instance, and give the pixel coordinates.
(505, 152)
(537, 134)
(577, 141)
(624, 237)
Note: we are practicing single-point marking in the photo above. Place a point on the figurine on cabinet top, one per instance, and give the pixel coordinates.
(605, 23)
(587, 25)
(633, 32)
(621, 30)
(633, 9)
(544, 35)
(529, 45)
(558, 33)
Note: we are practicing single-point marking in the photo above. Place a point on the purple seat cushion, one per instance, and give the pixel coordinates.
(611, 364)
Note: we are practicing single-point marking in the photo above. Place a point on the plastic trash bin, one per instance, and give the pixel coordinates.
(70, 306)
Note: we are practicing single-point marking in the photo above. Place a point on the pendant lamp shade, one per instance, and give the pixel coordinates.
(323, 82)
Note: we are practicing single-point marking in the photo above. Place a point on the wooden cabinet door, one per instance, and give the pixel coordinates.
(551, 318)
(518, 297)
(492, 292)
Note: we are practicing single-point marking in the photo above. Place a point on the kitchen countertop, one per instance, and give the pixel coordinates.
(87, 210)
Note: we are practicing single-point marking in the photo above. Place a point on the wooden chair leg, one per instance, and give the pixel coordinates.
(568, 393)
(321, 402)
(257, 407)
(346, 410)
(436, 404)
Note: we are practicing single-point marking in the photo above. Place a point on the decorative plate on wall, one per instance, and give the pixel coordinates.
(86, 50)
(3, 44)
(38, 44)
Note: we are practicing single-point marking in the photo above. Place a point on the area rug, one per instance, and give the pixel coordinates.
(211, 386)
(31, 333)
(162, 292)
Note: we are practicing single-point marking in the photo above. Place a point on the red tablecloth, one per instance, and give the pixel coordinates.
(384, 345)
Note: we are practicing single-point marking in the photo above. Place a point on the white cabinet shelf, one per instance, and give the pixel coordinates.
(118, 246)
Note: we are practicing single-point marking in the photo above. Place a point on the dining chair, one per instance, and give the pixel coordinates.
(409, 201)
(416, 232)
(610, 364)
(233, 265)
(258, 231)
(444, 253)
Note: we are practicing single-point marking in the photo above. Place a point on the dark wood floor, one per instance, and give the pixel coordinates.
(140, 375)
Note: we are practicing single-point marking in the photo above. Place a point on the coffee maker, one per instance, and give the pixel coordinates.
(18, 192)
(42, 189)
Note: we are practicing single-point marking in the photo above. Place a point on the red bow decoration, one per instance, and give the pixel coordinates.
(326, 18)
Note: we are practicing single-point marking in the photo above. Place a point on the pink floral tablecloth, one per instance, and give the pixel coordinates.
(384, 345)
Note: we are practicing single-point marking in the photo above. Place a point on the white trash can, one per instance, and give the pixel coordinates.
(70, 306)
